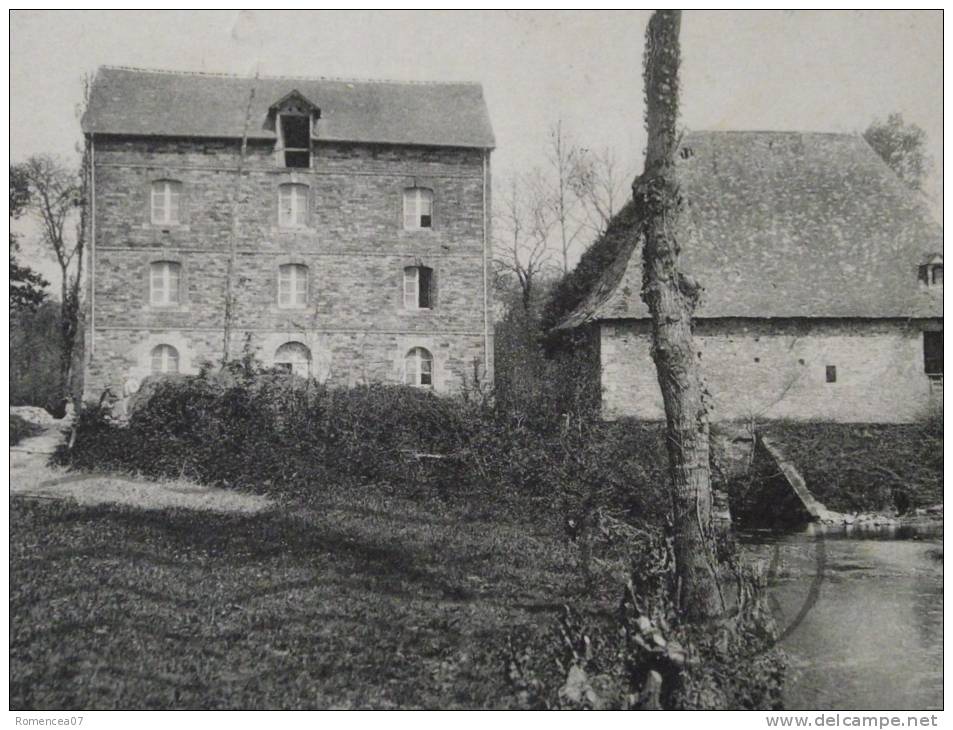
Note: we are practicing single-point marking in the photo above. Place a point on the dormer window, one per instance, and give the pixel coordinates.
(931, 272)
(293, 116)
(295, 139)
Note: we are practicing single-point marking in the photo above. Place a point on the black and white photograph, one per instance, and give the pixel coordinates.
(476, 360)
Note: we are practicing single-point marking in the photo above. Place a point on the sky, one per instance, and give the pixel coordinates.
(766, 70)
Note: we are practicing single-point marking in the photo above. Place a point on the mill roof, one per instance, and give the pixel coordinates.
(137, 102)
(782, 224)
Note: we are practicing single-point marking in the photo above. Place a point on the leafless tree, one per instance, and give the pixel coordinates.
(671, 297)
(599, 183)
(525, 223)
(58, 201)
(563, 156)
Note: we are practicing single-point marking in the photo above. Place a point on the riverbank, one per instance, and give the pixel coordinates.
(884, 471)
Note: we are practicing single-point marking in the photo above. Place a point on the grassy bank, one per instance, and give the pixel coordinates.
(361, 601)
(859, 467)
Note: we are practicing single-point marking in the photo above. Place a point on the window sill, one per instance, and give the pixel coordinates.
(183, 308)
(294, 229)
(166, 227)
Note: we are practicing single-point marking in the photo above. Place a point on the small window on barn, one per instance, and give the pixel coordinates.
(292, 205)
(933, 353)
(936, 275)
(164, 283)
(294, 357)
(418, 208)
(295, 139)
(418, 368)
(165, 359)
(831, 373)
(165, 202)
(418, 287)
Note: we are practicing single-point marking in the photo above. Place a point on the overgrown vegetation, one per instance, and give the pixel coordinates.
(35, 358)
(267, 431)
(860, 467)
(21, 429)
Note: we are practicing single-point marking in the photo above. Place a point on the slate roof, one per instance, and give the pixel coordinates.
(163, 103)
(786, 224)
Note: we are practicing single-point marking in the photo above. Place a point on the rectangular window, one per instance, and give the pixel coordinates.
(418, 208)
(933, 353)
(165, 202)
(292, 205)
(831, 373)
(418, 283)
(292, 285)
(295, 131)
(164, 279)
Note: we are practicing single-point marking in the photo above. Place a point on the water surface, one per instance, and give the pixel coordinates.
(863, 614)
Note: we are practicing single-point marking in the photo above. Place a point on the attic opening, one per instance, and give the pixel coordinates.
(295, 139)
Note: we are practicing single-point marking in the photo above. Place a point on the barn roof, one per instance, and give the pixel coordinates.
(785, 224)
(165, 103)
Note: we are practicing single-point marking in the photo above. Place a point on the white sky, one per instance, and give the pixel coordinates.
(780, 70)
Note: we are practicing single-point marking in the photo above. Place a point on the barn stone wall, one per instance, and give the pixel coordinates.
(354, 245)
(768, 369)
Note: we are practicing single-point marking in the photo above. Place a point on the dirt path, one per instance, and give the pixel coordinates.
(31, 477)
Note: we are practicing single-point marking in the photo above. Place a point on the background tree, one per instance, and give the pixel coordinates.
(524, 224)
(564, 160)
(901, 146)
(599, 184)
(671, 297)
(26, 286)
(57, 199)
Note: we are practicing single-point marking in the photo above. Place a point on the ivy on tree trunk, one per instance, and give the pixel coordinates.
(671, 297)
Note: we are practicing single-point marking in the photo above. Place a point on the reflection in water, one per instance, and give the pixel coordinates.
(865, 618)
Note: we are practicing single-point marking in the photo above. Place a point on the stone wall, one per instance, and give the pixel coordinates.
(353, 244)
(768, 369)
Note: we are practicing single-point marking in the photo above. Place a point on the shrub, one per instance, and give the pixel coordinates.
(269, 431)
(21, 429)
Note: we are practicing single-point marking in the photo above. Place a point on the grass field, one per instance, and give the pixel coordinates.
(353, 602)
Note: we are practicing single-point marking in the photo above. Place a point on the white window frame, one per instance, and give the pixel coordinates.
(164, 355)
(292, 286)
(416, 201)
(414, 369)
(412, 284)
(169, 193)
(161, 276)
(298, 195)
(299, 366)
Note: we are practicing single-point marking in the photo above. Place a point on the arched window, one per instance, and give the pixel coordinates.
(418, 367)
(164, 280)
(418, 287)
(292, 285)
(165, 201)
(165, 359)
(292, 205)
(294, 357)
(418, 208)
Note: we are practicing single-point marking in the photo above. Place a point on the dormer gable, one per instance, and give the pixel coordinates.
(292, 117)
(294, 102)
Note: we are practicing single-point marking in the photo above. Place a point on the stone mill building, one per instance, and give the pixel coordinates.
(823, 285)
(332, 227)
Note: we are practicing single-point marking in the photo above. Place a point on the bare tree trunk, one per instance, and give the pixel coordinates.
(671, 297)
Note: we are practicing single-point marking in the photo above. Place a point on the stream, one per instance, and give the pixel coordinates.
(861, 615)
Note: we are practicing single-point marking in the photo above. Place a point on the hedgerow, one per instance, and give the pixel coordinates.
(251, 428)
